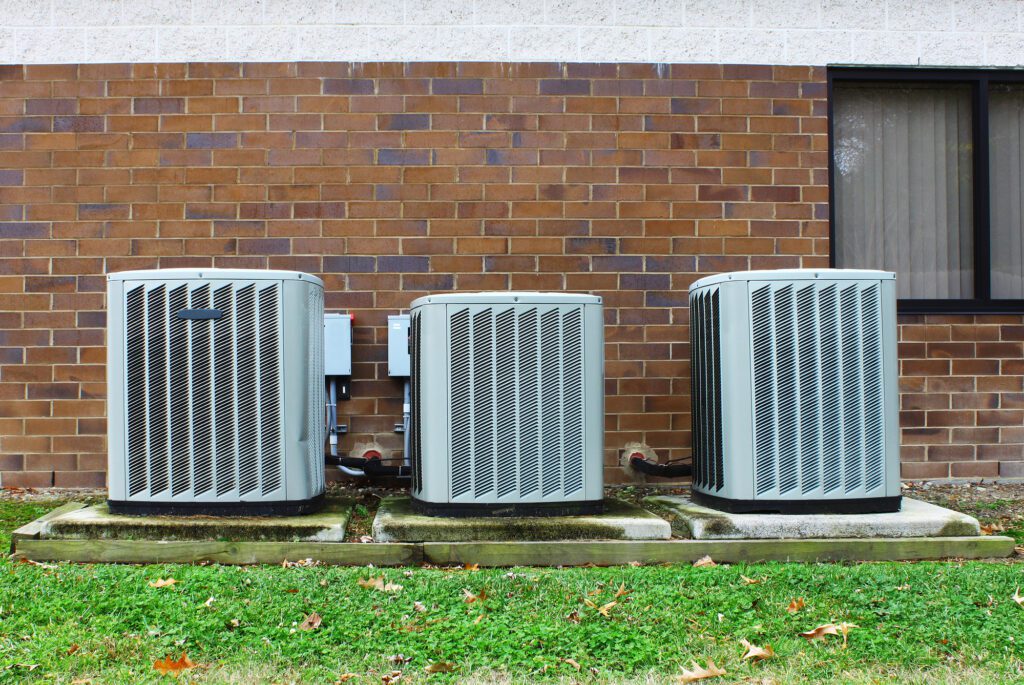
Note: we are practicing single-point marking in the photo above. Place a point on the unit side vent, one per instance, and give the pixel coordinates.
(516, 401)
(818, 388)
(416, 393)
(705, 365)
(183, 381)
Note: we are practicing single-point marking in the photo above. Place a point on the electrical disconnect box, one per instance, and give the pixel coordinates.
(337, 344)
(398, 345)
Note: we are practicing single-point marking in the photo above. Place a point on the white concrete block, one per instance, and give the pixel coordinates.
(916, 519)
(543, 44)
(509, 12)
(87, 12)
(852, 14)
(9, 46)
(735, 14)
(649, 13)
(298, 11)
(952, 49)
(474, 43)
(385, 43)
(226, 12)
(935, 15)
(614, 44)
(258, 43)
(438, 12)
(332, 44)
(22, 13)
(192, 43)
(818, 47)
(1004, 50)
(785, 14)
(579, 12)
(50, 45)
(752, 46)
(369, 11)
(156, 12)
(885, 47)
(987, 15)
(121, 44)
(684, 45)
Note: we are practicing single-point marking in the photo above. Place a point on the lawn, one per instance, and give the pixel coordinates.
(923, 622)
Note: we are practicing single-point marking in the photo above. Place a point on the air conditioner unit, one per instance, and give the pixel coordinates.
(794, 385)
(216, 391)
(507, 404)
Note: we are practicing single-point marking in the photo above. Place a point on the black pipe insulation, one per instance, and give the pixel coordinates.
(371, 467)
(651, 468)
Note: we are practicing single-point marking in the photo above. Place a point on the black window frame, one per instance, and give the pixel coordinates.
(979, 81)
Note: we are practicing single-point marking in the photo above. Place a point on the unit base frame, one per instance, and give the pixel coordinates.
(499, 509)
(278, 508)
(862, 505)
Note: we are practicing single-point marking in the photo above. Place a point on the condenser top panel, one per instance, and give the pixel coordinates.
(794, 275)
(506, 297)
(214, 274)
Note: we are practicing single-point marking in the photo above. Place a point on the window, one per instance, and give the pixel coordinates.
(927, 180)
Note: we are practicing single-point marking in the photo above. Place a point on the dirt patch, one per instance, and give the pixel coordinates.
(992, 503)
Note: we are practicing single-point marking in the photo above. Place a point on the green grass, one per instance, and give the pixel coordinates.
(925, 622)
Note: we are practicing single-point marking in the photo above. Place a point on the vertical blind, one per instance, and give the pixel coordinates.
(1006, 164)
(903, 185)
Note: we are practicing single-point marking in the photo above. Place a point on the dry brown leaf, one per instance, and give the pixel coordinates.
(209, 603)
(468, 597)
(365, 538)
(399, 659)
(419, 606)
(573, 617)
(471, 567)
(1017, 598)
(751, 581)
(700, 673)
(604, 609)
(168, 665)
(622, 591)
(311, 622)
(705, 560)
(389, 678)
(756, 653)
(796, 604)
(439, 667)
(82, 681)
(30, 562)
(820, 632)
(345, 677)
(162, 582)
(572, 662)
(379, 584)
(991, 528)
(72, 649)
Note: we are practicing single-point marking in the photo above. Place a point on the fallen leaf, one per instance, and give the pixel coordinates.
(169, 665)
(345, 677)
(705, 560)
(604, 609)
(82, 681)
(991, 528)
(399, 659)
(471, 567)
(796, 604)
(1017, 598)
(301, 563)
(419, 606)
(573, 663)
(468, 597)
(379, 584)
(311, 622)
(751, 581)
(820, 632)
(365, 538)
(208, 603)
(392, 677)
(622, 591)
(700, 673)
(635, 563)
(756, 653)
(162, 582)
(439, 667)
(72, 649)
(30, 562)
(573, 617)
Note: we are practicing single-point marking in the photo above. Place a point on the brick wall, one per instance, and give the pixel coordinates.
(391, 181)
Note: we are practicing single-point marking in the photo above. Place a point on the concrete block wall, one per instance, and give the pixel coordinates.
(937, 32)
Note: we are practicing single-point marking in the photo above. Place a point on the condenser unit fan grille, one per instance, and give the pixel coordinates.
(817, 388)
(204, 401)
(706, 375)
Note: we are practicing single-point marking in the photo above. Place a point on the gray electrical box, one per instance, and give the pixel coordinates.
(337, 344)
(398, 345)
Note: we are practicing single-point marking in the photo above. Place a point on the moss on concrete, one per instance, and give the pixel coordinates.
(96, 522)
(396, 521)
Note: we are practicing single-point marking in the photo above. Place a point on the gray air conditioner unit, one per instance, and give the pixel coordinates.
(507, 404)
(794, 385)
(216, 391)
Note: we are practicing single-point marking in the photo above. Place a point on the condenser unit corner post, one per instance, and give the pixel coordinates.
(215, 392)
(507, 404)
(794, 384)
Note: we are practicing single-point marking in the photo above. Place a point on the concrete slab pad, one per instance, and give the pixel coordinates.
(916, 519)
(96, 522)
(396, 522)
